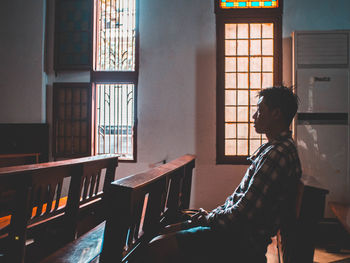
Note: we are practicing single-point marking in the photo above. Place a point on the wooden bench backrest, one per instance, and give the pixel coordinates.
(138, 205)
(38, 191)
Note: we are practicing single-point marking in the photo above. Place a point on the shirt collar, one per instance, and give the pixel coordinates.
(281, 137)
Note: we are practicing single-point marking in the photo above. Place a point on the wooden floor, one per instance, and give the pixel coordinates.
(322, 256)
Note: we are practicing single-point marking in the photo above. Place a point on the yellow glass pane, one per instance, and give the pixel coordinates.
(243, 97)
(230, 131)
(242, 147)
(230, 147)
(268, 64)
(255, 47)
(267, 80)
(255, 64)
(230, 64)
(254, 145)
(242, 47)
(230, 97)
(242, 31)
(255, 80)
(242, 64)
(230, 114)
(230, 47)
(243, 115)
(230, 80)
(267, 47)
(267, 30)
(242, 81)
(230, 31)
(242, 130)
(255, 30)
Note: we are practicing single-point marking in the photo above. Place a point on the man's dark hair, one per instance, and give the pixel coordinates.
(282, 98)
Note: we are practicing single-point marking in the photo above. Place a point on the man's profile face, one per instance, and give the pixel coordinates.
(262, 117)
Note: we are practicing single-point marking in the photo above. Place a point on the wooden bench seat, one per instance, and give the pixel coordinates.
(38, 210)
(138, 207)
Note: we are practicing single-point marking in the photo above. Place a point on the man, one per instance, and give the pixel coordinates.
(241, 229)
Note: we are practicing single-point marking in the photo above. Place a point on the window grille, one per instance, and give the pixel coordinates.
(116, 35)
(116, 76)
(248, 69)
(115, 119)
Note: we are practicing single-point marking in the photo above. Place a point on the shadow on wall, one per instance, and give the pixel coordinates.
(211, 183)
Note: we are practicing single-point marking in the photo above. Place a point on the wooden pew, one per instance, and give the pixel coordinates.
(138, 207)
(42, 211)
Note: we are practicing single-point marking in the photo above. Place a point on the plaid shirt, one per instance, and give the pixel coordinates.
(255, 209)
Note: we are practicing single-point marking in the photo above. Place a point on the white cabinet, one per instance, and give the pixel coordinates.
(321, 78)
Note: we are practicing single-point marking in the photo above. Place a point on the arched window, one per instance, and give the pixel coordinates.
(249, 58)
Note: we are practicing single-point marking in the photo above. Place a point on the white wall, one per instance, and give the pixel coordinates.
(22, 93)
(176, 92)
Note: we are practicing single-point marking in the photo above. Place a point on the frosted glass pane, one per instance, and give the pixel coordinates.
(267, 80)
(255, 80)
(242, 130)
(268, 64)
(243, 97)
(254, 98)
(242, 47)
(243, 115)
(242, 80)
(242, 31)
(230, 47)
(253, 133)
(242, 146)
(264, 140)
(230, 64)
(254, 145)
(255, 64)
(230, 97)
(230, 130)
(230, 147)
(230, 114)
(230, 31)
(255, 47)
(242, 64)
(267, 47)
(267, 30)
(255, 30)
(230, 80)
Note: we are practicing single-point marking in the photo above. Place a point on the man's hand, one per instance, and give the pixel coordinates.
(200, 218)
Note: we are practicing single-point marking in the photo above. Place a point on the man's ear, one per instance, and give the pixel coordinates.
(277, 114)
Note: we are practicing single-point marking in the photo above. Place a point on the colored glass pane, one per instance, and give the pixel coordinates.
(232, 4)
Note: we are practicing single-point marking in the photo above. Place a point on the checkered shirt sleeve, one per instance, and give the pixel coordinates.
(258, 185)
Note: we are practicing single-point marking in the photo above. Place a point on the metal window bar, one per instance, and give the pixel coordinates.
(115, 119)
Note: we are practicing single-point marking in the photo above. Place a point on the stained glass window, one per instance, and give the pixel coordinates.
(231, 4)
(116, 35)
